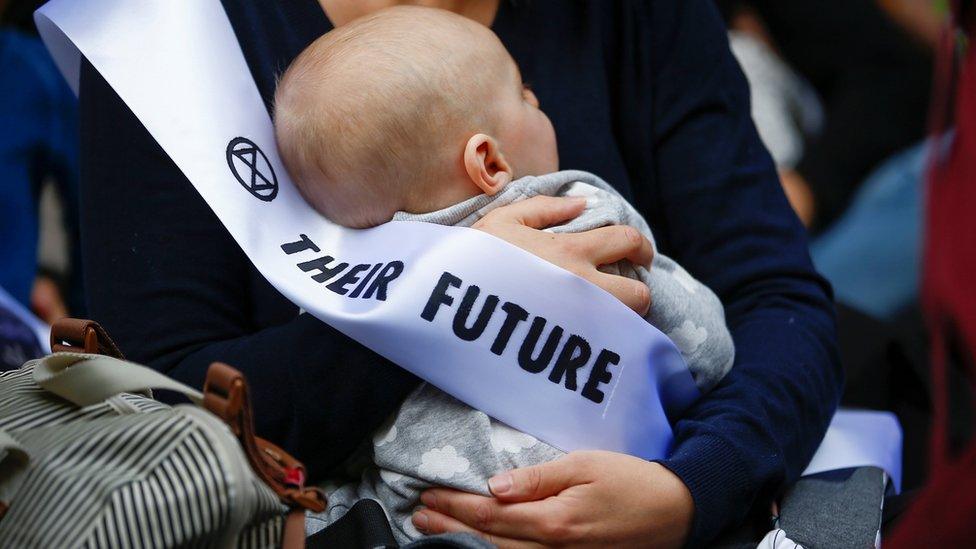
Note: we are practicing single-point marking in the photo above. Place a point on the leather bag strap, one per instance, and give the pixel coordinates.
(78, 335)
(225, 395)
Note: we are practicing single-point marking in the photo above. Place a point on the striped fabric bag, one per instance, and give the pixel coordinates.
(88, 459)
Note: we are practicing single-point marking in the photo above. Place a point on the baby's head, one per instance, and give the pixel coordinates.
(411, 109)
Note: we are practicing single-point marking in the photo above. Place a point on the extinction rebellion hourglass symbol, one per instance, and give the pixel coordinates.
(251, 168)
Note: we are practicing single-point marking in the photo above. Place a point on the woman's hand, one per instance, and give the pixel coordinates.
(585, 499)
(579, 253)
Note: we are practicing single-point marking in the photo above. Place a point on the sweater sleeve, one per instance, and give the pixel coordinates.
(720, 212)
(176, 292)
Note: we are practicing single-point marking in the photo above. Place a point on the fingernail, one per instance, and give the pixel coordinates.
(429, 499)
(421, 521)
(500, 485)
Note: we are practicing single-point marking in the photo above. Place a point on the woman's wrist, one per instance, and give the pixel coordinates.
(718, 492)
(678, 510)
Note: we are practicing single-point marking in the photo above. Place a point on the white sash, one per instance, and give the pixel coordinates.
(179, 67)
(403, 288)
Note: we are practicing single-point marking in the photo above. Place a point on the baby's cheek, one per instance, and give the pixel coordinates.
(532, 149)
(551, 147)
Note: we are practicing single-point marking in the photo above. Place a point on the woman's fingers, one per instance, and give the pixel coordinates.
(611, 244)
(632, 293)
(537, 212)
(490, 516)
(432, 522)
(522, 507)
(538, 481)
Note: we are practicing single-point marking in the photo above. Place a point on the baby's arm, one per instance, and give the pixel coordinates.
(683, 308)
(693, 317)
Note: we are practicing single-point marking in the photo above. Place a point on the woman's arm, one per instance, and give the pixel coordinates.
(176, 292)
(724, 217)
(719, 211)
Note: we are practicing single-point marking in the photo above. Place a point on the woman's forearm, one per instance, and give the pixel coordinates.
(758, 429)
(726, 220)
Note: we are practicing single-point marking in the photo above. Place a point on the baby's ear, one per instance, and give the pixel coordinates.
(486, 165)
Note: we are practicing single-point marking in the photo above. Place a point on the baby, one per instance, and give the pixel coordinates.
(420, 114)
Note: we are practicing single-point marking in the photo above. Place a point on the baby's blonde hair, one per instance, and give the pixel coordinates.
(372, 113)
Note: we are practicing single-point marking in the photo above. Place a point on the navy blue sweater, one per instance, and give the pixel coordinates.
(644, 94)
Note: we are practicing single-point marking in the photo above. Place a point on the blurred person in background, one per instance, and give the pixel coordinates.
(944, 513)
(872, 76)
(840, 93)
(38, 146)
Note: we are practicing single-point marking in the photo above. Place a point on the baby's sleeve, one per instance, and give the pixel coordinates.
(683, 308)
(691, 315)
